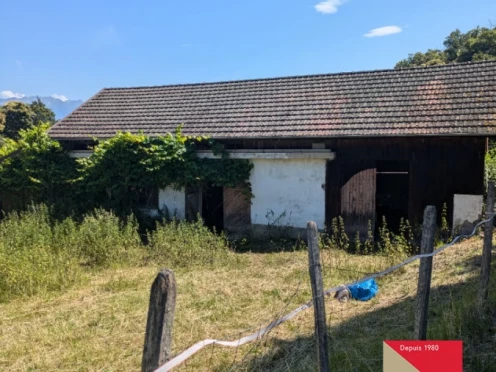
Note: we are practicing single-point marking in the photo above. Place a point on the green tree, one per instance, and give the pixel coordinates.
(2, 121)
(478, 44)
(36, 168)
(18, 116)
(42, 114)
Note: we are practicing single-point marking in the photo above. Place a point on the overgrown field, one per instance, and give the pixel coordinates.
(75, 297)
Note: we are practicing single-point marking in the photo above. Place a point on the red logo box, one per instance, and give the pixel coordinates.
(423, 356)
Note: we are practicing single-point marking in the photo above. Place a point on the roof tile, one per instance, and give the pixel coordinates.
(458, 99)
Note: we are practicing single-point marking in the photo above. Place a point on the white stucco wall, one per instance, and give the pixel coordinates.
(466, 208)
(175, 200)
(292, 187)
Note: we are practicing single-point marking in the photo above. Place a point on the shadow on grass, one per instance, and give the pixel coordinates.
(268, 245)
(356, 343)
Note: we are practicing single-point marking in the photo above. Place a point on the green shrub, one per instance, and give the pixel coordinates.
(180, 243)
(102, 239)
(21, 229)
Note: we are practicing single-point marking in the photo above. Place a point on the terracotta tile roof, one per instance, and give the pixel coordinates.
(458, 99)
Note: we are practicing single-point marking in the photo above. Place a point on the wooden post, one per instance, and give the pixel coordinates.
(488, 246)
(158, 336)
(318, 297)
(425, 271)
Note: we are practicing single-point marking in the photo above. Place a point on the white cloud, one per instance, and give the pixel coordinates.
(383, 31)
(329, 6)
(10, 94)
(60, 96)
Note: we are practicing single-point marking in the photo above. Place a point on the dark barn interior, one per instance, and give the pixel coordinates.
(406, 175)
(393, 185)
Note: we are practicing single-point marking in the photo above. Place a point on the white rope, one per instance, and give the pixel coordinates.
(179, 359)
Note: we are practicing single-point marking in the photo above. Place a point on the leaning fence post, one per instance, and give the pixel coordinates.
(488, 246)
(318, 296)
(425, 271)
(158, 336)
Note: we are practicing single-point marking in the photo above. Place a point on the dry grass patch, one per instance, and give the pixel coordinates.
(99, 325)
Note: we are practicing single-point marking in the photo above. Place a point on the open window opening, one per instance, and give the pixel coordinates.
(147, 198)
(392, 192)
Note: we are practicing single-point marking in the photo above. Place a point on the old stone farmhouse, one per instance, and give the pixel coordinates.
(362, 145)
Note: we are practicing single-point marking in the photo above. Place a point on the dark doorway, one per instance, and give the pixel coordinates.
(212, 207)
(392, 193)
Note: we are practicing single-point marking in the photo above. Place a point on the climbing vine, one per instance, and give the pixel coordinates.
(127, 163)
(118, 170)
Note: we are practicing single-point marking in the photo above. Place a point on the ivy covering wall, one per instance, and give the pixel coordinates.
(38, 169)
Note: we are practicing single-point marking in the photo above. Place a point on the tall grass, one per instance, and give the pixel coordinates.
(29, 262)
(180, 243)
(38, 255)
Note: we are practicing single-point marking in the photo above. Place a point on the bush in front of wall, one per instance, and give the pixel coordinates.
(182, 244)
(104, 240)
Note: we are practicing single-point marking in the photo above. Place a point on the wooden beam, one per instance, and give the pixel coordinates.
(272, 154)
(245, 154)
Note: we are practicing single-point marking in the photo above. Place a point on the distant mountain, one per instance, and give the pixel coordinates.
(60, 107)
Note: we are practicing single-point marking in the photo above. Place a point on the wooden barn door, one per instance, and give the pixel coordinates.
(237, 210)
(358, 196)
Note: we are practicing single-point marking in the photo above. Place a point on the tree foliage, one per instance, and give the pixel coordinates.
(42, 114)
(478, 44)
(35, 167)
(2, 121)
(18, 116)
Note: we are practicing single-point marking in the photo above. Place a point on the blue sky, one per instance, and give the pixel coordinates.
(75, 48)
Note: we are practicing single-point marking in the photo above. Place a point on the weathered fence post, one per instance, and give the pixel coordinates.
(488, 246)
(318, 297)
(425, 271)
(158, 336)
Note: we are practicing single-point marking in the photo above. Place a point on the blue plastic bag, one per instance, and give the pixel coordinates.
(364, 291)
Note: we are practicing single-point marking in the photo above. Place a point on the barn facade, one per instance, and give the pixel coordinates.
(359, 145)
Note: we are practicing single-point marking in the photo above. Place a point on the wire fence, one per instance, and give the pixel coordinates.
(266, 340)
